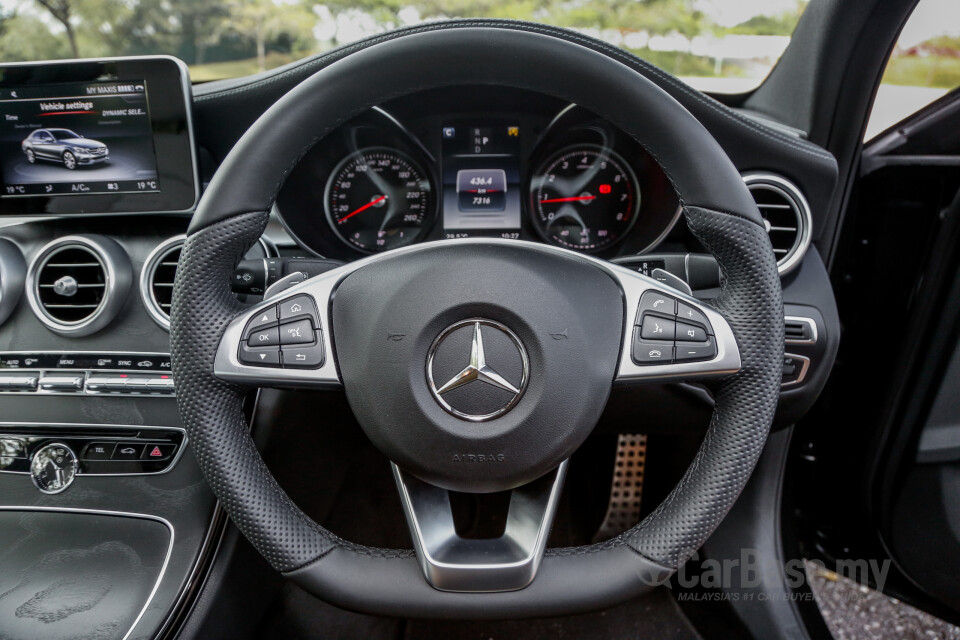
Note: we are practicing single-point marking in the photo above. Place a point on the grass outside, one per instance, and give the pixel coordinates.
(930, 71)
(680, 63)
(238, 68)
(911, 71)
(677, 63)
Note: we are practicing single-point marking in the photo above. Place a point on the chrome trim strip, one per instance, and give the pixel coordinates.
(143, 516)
(389, 117)
(82, 352)
(196, 582)
(805, 220)
(804, 367)
(275, 213)
(452, 563)
(200, 572)
(803, 320)
(227, 365)
(13, 269)
(146, 279)
(87, 425)
(663, 234)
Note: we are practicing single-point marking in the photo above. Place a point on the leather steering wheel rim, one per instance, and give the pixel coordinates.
(233, 214)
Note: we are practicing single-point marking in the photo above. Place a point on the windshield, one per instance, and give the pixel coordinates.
(725, 46)
(63, 134)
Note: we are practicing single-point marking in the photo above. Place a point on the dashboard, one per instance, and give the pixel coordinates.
(475, 162)
(84, 351)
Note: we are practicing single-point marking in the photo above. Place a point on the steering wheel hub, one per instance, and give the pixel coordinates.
(503, 354)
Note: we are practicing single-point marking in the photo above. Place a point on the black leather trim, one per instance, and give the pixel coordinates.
(449, 57)
(564, 585)
(718, 209)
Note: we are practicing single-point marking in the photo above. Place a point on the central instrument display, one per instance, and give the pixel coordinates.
(481, 179)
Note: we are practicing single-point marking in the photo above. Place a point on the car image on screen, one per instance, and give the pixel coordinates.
(64, 146)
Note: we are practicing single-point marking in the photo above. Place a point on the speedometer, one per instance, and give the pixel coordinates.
(379, 199)
(585, 197)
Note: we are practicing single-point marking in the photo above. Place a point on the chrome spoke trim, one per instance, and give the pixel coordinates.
(507, 563)
(724, 363)
(227, 365)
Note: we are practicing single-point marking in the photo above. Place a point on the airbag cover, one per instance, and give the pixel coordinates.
(566, 311)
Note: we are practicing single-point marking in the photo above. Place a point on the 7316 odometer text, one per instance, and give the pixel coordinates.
(379, 199)
(584, 197)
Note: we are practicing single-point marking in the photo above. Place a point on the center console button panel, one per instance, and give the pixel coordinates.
(86, 373)
(100, 450)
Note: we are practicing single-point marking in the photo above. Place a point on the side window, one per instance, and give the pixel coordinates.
(924, 66)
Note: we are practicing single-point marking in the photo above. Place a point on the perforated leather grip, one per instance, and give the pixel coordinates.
(232, 215)
(752, 302)
(212, 410)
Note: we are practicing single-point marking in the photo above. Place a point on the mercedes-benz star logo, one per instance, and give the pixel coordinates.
(474, 402)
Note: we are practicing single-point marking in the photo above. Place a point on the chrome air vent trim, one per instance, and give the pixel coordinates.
(155, 293)
(786, 214)
(91, 273)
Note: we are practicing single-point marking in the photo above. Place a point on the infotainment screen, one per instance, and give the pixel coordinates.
(77, 138)
(103, 136)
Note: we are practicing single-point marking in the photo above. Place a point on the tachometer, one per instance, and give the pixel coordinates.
(379, 199)
(585, 197)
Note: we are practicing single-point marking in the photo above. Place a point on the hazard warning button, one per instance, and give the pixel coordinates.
(158, 451)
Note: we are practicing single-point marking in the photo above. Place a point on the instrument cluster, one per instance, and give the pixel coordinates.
(462, 163)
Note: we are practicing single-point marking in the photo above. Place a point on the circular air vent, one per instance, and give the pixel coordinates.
(77, 284)
(786, 215)
(13, 273)
(156, 279)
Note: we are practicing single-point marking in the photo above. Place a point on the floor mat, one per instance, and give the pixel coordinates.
(855, 612)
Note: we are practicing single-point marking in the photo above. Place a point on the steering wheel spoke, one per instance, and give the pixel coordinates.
(283, 341)
(452, 563)
(671, 336)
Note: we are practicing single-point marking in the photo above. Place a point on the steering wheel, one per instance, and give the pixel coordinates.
(476, 365)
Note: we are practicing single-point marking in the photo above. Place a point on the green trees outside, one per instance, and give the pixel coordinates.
(217, 35)
(196, 31)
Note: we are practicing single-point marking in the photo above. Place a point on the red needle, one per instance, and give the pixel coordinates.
(569, 199)
(363, 208)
